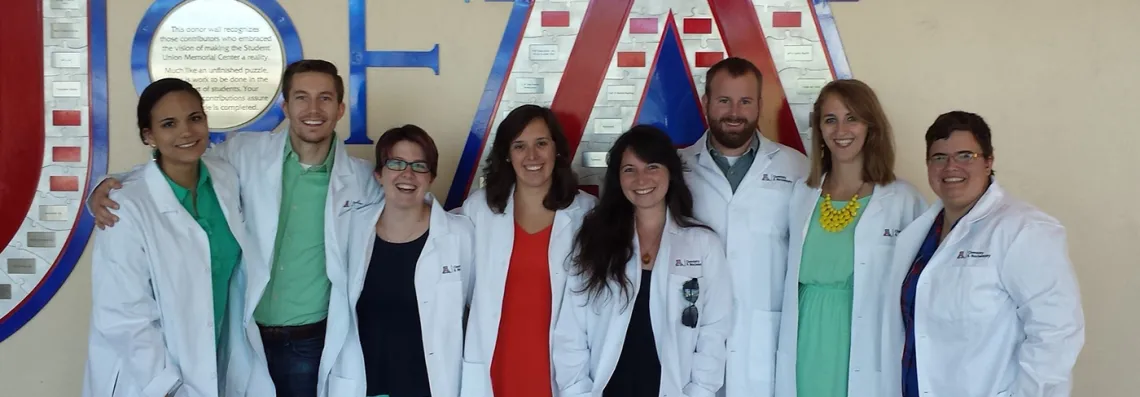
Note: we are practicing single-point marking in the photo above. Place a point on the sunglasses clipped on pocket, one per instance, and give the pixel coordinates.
(691, 290)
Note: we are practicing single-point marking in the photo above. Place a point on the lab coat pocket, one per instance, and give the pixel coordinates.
(680, 274)
(476, 380)
(965, 294)
(762, 349)
(339, 386)
(686, 336)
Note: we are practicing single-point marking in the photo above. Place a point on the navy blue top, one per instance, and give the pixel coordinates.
(389, 322)
(638, 371)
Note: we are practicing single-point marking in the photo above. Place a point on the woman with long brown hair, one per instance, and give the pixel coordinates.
(648, 309)
(525, 219)
(843, 222)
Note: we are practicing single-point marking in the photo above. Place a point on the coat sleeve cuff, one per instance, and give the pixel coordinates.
(165, 384)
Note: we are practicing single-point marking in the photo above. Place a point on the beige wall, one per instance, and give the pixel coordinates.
(1056, 80)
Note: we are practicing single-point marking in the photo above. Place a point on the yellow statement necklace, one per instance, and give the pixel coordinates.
(835, 220)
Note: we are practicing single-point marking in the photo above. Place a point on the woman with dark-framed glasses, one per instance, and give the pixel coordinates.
(647, 310)
(983, 292)
(408, 279)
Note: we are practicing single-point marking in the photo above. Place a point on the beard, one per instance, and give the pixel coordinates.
(736, 137)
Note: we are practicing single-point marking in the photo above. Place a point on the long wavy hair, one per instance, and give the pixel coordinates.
(604, 243)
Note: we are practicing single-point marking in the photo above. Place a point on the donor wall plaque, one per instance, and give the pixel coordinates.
(229, 51)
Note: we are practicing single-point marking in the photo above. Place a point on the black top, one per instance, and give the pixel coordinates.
(390, 334)
(638, 371)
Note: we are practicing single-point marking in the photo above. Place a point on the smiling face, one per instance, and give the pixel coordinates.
(312, 106)
(178, 128)
(405, 175)
(957, 170)
(644, 184)
(732, 108)
(842, 131)
(532, 155)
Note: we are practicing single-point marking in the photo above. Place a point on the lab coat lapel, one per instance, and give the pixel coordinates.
(274, 165)
(557, 254)
(502, 227)
(428, 270)
(708, 170)
(760, 162)
(228, 199)
(621, 306)
(272, 162)
(163, 195)
(664, 329)
(342, 203)
(869, 228)
(359, 271)
(906, 246)
(880, 195)
(986, 204)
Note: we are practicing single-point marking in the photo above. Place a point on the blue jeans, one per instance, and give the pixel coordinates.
(294, 365)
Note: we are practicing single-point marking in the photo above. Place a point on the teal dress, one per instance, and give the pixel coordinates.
(827, 270)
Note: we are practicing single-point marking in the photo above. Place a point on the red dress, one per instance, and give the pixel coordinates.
(521, 364)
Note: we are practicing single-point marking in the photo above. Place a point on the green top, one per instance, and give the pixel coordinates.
(734, 172)
(827, 272)
(224, 249)
(298, 290)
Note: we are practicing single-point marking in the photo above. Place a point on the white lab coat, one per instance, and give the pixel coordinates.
(589, 335)
(494, 242)
(753, 224)
(152, 320)
(441, 288)
(259, 159)
(892, 207)
(998, 309)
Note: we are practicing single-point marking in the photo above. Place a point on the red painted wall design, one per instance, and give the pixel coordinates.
(21, 112)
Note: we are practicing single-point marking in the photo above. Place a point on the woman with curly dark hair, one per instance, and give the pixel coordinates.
(648, 308)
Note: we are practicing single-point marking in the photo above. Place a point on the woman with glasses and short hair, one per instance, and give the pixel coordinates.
(525, 219)
(648, 309)
(982, 300)
(408, 279)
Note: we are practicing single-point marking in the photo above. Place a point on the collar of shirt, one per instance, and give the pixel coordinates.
(182, 193)
(291, 156)
(753, 146)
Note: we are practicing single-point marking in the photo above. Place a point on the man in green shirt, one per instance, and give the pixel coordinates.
(293, 309)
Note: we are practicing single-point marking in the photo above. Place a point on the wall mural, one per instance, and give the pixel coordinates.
(630, 61)
(643, 62)
(53, 230)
